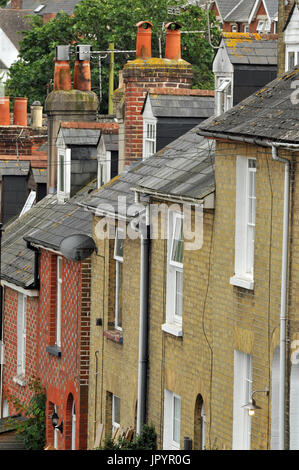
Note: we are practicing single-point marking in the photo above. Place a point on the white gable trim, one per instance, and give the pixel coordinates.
(8, 52)
(28, 292)
(291, 31)
(255, 10)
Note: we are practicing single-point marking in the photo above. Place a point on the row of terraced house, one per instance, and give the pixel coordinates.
(156, 282)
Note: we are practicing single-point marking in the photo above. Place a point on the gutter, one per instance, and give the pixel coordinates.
(36, 282)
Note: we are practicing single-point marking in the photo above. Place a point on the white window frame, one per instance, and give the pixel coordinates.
(246, 28)
(169, 442)
(73, 425)
(55, 430)
(175, 272)
(22, 305)
(234, 28)
(58, 301)
(104, 168)
(118, 266)
(242, 396)
(63, 193)
(115, 424)
(244, 226)
(223, 95)
(203, 426)
(292, 48)
(149, 141)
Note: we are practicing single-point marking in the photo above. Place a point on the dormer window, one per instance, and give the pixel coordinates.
(63, 174)
(292, 41)
(149, 138)
(223, 95)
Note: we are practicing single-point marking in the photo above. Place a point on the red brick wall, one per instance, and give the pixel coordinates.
(26, 138)
(67, 374)
(138, 77)
(10, 388)
(65, 378)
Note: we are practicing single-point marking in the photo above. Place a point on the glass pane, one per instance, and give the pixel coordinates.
(291, 60)
(179, 294)
(178, 242)
(116, 410)
(119, 295)
(176, 418)
(119, 244)
(61, 165)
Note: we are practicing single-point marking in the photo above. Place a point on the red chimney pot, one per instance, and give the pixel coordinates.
(4, 111)
(173, 41)
(144, 40)
(20, 112)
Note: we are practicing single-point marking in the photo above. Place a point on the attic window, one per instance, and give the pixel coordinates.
(149, 138)
(63, 174)
(223, 95)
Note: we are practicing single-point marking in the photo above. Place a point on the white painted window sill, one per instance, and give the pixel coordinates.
(246, 282)
(20, 380)
(173, 329)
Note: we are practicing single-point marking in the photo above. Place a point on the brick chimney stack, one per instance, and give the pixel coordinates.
(141, 74)
(284, 9)
(67, 104)
(16, 4)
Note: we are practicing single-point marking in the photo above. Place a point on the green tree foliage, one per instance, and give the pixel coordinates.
(33, 430)
(99, 22)
(146, 440)
(3, 3)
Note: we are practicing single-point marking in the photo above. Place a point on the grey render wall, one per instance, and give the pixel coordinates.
(84, 165)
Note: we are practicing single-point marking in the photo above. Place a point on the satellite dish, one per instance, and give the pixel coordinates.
(77, 247)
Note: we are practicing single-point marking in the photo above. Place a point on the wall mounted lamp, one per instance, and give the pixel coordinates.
(251, 406)
(55, 421)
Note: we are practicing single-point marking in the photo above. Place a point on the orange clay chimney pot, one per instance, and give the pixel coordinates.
(144, 40)
(62, 75)
(173, 41)
(20, 112)
(4, 111)
(82, 76)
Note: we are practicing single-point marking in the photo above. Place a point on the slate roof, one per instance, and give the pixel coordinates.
(47, 223)
(226, 6)
(12, 22)
(242, 12)
(250, 49)
(182, 106)
(184, 168)
(9, 440)
(51, 6)
(272, 7)
(111, 142)
(54, 6)
(14, 168)
(84, 137)
(270, 113)
(40, 175)
(64, 220)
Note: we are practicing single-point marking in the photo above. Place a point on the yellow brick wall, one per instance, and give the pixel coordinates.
(243, 319)
(179, 364)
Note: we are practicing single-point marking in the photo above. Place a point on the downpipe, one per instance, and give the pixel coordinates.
(283, 298)
(143, 322)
